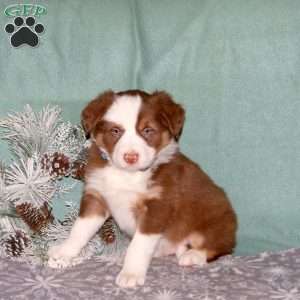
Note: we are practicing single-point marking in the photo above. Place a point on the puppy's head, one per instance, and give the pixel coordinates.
(133, 127)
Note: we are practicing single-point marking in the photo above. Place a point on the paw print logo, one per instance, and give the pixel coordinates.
(24, 32)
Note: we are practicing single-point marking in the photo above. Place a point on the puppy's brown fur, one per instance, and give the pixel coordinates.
(190, 203)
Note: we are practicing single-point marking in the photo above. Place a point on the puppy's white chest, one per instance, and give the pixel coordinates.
(121, 190)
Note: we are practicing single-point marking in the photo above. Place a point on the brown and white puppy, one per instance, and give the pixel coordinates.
(136, 173)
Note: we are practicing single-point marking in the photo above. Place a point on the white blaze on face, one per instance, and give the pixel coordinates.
(124, 112)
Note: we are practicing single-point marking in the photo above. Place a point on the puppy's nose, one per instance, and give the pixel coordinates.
(131, 157)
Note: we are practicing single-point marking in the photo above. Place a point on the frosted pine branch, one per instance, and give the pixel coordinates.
(68, 139)
(28, 133)
(31, 134)
(2, 184)
(4, 204)
(28, 182)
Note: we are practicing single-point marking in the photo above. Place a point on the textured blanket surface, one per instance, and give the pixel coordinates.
(265, 276)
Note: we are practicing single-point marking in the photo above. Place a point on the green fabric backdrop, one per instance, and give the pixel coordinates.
(235, 65)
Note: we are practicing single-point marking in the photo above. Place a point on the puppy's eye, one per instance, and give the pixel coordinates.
(115, 131)
(148, 131)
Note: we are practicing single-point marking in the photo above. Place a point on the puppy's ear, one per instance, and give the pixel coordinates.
(172, 115)
(95, 110)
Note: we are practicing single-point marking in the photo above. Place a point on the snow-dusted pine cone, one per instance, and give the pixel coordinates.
(35, 218)
(78, 169)
(57, 164)
(16, 243)
(107, 231)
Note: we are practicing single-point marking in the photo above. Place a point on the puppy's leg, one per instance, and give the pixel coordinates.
(137, 259)
(141, 249)
(93, 213)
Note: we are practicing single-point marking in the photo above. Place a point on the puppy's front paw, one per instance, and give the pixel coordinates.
(129, 279)
(61, 256)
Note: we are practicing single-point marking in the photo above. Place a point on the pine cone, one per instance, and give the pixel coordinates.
(57, 164)
(16, 243)
(35, 218)
(78, 169)
(107, 231)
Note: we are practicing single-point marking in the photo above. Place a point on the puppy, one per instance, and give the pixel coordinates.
(136, 173)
